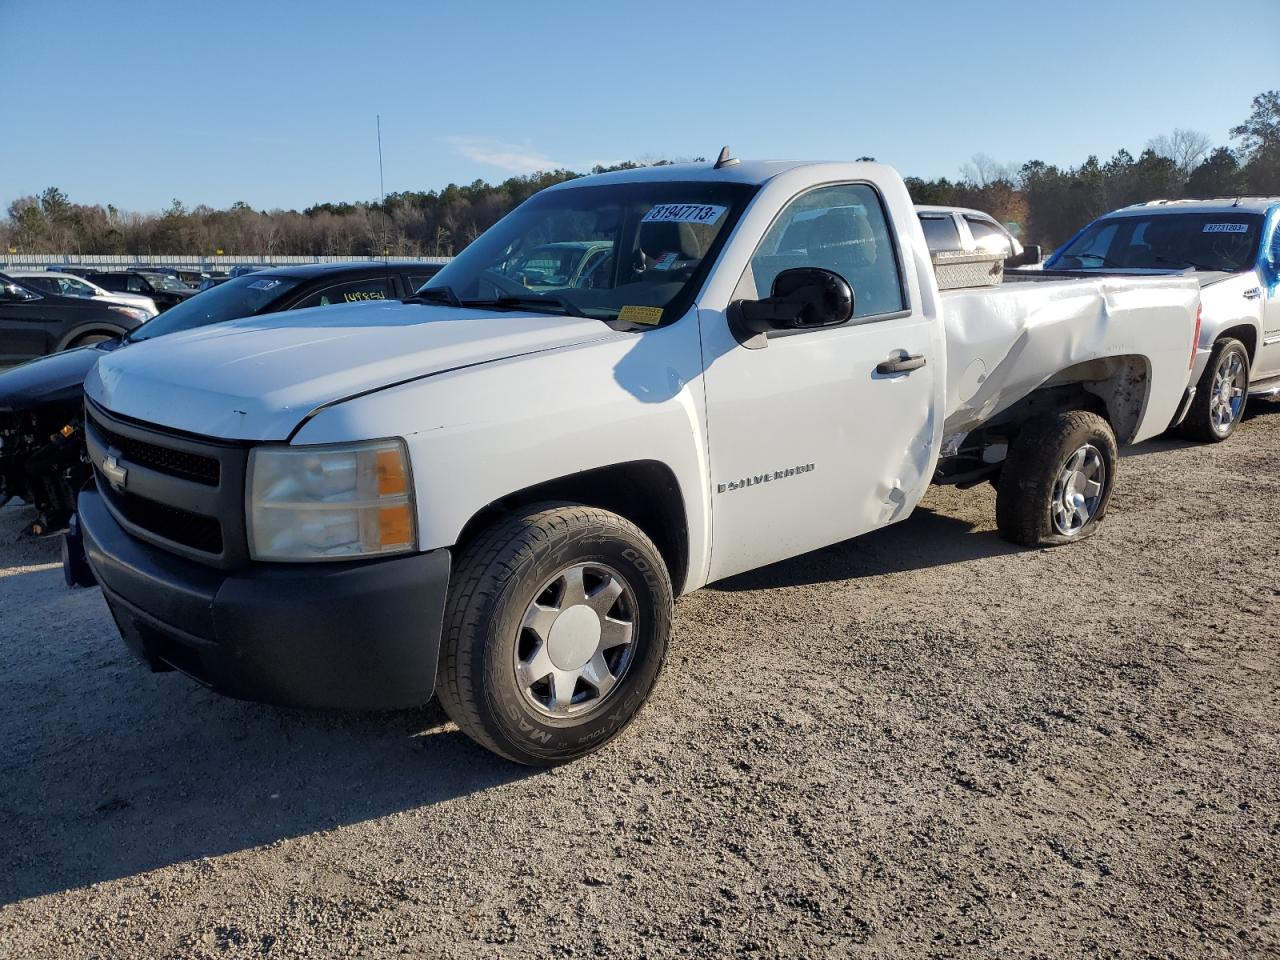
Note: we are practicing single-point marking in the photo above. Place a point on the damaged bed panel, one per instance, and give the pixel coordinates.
(1114, 336)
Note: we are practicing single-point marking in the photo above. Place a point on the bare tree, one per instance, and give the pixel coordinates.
(1186, 148)
(983, 170)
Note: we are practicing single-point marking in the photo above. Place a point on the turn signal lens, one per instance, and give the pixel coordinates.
(391, 476)
(396, 526)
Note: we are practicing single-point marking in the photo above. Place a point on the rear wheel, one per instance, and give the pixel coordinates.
(1221, 394)
(555, 632)
(1056, 482)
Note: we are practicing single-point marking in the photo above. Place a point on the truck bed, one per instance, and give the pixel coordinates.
(1004, 342)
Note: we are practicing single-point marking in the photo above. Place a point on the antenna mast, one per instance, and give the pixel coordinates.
(382, 186)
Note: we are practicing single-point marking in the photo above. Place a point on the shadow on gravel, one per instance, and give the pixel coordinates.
(1164, 443)
(1266, 407)
(925, 539)
(109, 771)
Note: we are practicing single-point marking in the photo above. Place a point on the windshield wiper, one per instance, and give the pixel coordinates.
(1093, 256)
(1187, 263)
(435, 295)
(528, 300)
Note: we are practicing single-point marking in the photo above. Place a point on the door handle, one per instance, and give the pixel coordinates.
(904, 364)
(1252, 294)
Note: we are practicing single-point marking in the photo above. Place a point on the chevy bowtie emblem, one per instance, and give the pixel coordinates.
(116, 475)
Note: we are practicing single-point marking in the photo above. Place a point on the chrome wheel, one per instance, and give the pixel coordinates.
(1227, 397)
(575, 641)
(1078, 490)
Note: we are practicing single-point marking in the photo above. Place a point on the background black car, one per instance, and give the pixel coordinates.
(42, 452)
(34, 322)
(165, 290)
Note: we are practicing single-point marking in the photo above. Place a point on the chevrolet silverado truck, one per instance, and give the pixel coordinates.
(494, 493)
(1232, 246)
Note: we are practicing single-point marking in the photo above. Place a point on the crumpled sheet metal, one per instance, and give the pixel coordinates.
(1005, 342)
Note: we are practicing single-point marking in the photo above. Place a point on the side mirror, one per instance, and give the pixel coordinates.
(803, 298)
(1031, 254)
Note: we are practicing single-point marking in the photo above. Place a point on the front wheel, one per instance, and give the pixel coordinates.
(1221, 394)
(556, 630)
(1056, 482)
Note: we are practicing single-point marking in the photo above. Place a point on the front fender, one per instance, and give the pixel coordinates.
(478, 434)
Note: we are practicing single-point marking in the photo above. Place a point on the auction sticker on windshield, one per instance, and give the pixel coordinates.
(684, 213)
(1226, 228)
(649, 316)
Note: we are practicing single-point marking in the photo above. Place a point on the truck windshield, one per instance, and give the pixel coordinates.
(1165, 241)
(241, 297)
(634, 252)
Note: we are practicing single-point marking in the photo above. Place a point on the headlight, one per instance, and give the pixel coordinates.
(133, 313)
(330, 502)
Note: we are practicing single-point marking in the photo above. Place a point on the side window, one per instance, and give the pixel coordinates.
(38, 283)
(988, 236)
(839, 228)
(135, 284)
(940, 232)
(1097, 246)
(353, 291)
(416, 280)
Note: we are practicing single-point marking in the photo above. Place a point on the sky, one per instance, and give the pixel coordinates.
(136, 103)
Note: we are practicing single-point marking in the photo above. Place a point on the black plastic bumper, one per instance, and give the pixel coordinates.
(363, 635)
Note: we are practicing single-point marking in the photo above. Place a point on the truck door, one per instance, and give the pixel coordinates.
(810, 444)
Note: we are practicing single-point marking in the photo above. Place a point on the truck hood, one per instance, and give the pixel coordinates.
(258, 378)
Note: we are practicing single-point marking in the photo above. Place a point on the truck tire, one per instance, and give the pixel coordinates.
(555, 632)
(1056, 481)
(1221, 394)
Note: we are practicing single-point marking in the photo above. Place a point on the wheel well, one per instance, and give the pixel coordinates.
(1246, 335)
(75, 336)
(643, 491)
(1115, 388)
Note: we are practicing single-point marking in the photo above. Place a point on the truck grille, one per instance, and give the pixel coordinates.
(171, 523)
(176, 463)
(181, 493)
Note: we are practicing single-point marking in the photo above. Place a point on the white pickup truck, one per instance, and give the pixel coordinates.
(494, 493)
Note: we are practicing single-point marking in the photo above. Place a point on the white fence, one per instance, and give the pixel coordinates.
(43, 261)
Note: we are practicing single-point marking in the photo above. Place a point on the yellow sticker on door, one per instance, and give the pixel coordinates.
(649, 316)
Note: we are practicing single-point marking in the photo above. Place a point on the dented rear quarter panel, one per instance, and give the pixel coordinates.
(1005, 342)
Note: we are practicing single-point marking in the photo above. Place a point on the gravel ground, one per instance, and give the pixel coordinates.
(921, 743)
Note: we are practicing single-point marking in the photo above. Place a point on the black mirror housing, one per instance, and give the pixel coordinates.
(1032, 254)
(803, 298)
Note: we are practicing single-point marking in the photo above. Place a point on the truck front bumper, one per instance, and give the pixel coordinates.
(361, 635)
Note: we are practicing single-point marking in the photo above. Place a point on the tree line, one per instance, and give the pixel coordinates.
(1048, 202)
